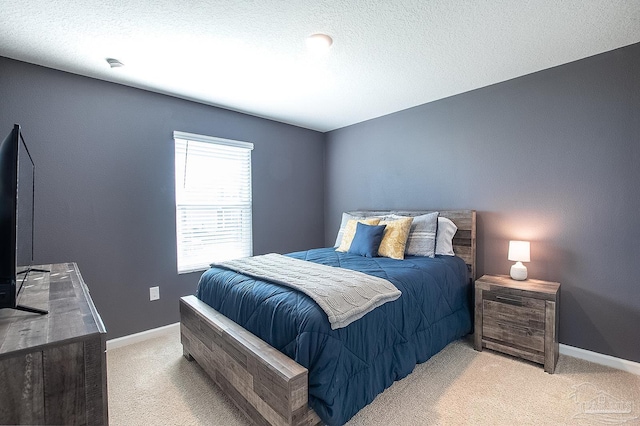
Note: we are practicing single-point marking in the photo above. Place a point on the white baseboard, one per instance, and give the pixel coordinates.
(142, 336)
(609, 361)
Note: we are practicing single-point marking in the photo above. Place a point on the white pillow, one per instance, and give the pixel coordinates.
(444, 236)
(346, 217)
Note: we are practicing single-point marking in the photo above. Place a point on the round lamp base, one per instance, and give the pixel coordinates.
(519, 272)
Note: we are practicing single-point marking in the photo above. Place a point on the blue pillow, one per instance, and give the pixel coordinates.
(367, 240)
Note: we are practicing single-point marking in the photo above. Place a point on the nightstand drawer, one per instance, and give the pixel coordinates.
(518, 321)
(525, 310)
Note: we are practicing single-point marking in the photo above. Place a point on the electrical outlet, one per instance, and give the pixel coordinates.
(154, 293)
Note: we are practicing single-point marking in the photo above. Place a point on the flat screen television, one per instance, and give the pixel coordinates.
(17, 195)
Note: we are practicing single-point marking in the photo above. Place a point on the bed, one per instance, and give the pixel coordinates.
(343, 374)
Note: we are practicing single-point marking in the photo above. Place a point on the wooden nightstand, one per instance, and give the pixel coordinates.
(519, 318)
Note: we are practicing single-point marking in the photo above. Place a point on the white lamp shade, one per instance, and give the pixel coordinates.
(519, 251)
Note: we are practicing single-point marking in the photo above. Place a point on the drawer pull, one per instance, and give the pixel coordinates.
(522, 328)
(509, 300)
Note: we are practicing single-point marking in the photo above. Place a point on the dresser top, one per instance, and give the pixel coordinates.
(72, 314)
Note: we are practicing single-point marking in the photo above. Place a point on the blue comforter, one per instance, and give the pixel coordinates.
(349, 366)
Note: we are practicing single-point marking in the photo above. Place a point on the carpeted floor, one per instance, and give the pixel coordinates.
(151, 383)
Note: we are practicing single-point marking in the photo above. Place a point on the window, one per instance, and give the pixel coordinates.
(213, 200)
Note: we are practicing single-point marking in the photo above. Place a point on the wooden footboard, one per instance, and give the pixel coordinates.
(269, 387)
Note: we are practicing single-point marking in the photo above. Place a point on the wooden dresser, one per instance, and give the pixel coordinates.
(53, 367)
(519, 318)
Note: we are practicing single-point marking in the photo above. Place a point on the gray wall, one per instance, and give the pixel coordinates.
(552, 157)
(105, 184)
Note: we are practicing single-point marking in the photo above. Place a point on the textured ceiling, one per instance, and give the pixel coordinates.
(250, 56)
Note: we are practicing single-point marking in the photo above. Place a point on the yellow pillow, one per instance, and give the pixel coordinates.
(395, 237)
(350, 231)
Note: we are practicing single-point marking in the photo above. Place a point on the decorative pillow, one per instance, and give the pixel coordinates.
(350, 231)
(395, 237)
(367, 240)
(444, 237)
(422, 236)
(346, 217)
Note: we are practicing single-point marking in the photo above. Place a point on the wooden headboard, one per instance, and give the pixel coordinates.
(464, 242)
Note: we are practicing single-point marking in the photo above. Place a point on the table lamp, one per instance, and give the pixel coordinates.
(519, 252)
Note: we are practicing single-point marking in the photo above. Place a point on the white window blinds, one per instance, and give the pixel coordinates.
(213, 200)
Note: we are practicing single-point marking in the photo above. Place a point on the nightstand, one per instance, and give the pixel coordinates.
(519, 318)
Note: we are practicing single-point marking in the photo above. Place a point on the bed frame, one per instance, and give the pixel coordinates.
(267, 386)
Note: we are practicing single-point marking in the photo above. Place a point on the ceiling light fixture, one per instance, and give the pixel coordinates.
(319, 42)
(114, 63)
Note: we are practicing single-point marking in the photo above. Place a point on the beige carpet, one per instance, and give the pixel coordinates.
(151, 383)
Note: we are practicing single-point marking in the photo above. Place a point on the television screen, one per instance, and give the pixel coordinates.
(17, 172)
(8, 193)
(25, 192)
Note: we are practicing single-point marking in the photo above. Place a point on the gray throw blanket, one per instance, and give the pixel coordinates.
(344, 295)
